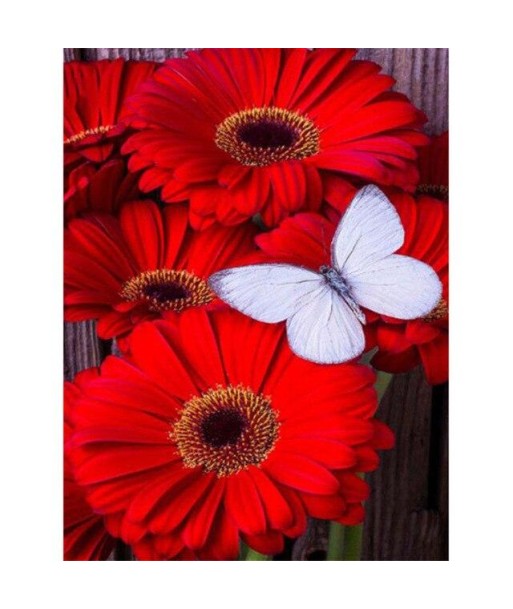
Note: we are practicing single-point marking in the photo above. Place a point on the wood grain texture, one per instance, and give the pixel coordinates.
(138, 54)
(407, 513)
(82, 348)
(422, 75)
(71, 54)
(407, 516)
(313, 545)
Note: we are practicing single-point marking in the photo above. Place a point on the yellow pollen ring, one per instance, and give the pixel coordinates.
(167, 290)
(441, 311)
(302, 135)
(225, 430)
(101, 130)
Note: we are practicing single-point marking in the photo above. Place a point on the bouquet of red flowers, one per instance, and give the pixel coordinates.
(261, 237)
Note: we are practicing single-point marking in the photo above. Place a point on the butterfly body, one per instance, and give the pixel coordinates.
(336, 281)
(323, 309)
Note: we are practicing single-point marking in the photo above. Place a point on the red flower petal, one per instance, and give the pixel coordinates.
(277, 510)
(435, 359)
(301, 473)
(190, 495)
(198, 525)
(326, 508)
(242, 502)
(324, 451)
(270, 543)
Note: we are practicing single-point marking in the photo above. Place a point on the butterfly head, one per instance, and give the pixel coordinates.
(333, 277)
(335, 280)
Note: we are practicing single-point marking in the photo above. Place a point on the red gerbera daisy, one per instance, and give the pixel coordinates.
(246, 131)
(404, 345)
(305, 240)
(434, 168)
(94, 105)
(85, 536)
(104, 189)
(212, 431)
(143, 264)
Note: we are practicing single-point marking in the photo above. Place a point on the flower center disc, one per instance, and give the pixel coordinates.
(78, 137)
(225, 430)
(433, 190)
(263, 136)
(441, 311)
(167, 290)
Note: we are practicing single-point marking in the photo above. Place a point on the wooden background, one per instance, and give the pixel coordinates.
(407, 515)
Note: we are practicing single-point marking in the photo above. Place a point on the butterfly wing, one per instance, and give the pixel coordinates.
(266, 292)
(325, 330)
(370, 230)
(363, 252)
(397, 286)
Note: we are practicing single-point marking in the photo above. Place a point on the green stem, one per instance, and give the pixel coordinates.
(344, 542)
(243, 551)
(336, 541)
(252, 555)
(352, 549)
(382, 382)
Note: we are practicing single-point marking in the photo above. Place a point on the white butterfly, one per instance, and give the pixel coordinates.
(323, 309)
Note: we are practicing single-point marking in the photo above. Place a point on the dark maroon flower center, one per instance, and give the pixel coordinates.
(258, 137)
(268, 134)
(223, 427)
(165, 292)
(225, 430)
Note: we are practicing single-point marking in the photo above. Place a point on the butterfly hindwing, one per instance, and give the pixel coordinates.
(266, 292)
(325, 330)
(397, 286)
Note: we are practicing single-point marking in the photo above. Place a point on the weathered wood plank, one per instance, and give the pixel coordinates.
(71, 54)
(400, 487)
(138, 54)
(313, 545)
(82, 349)
(422, 75)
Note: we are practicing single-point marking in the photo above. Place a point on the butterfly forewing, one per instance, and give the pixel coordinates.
(369, 231)
(266, 292)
